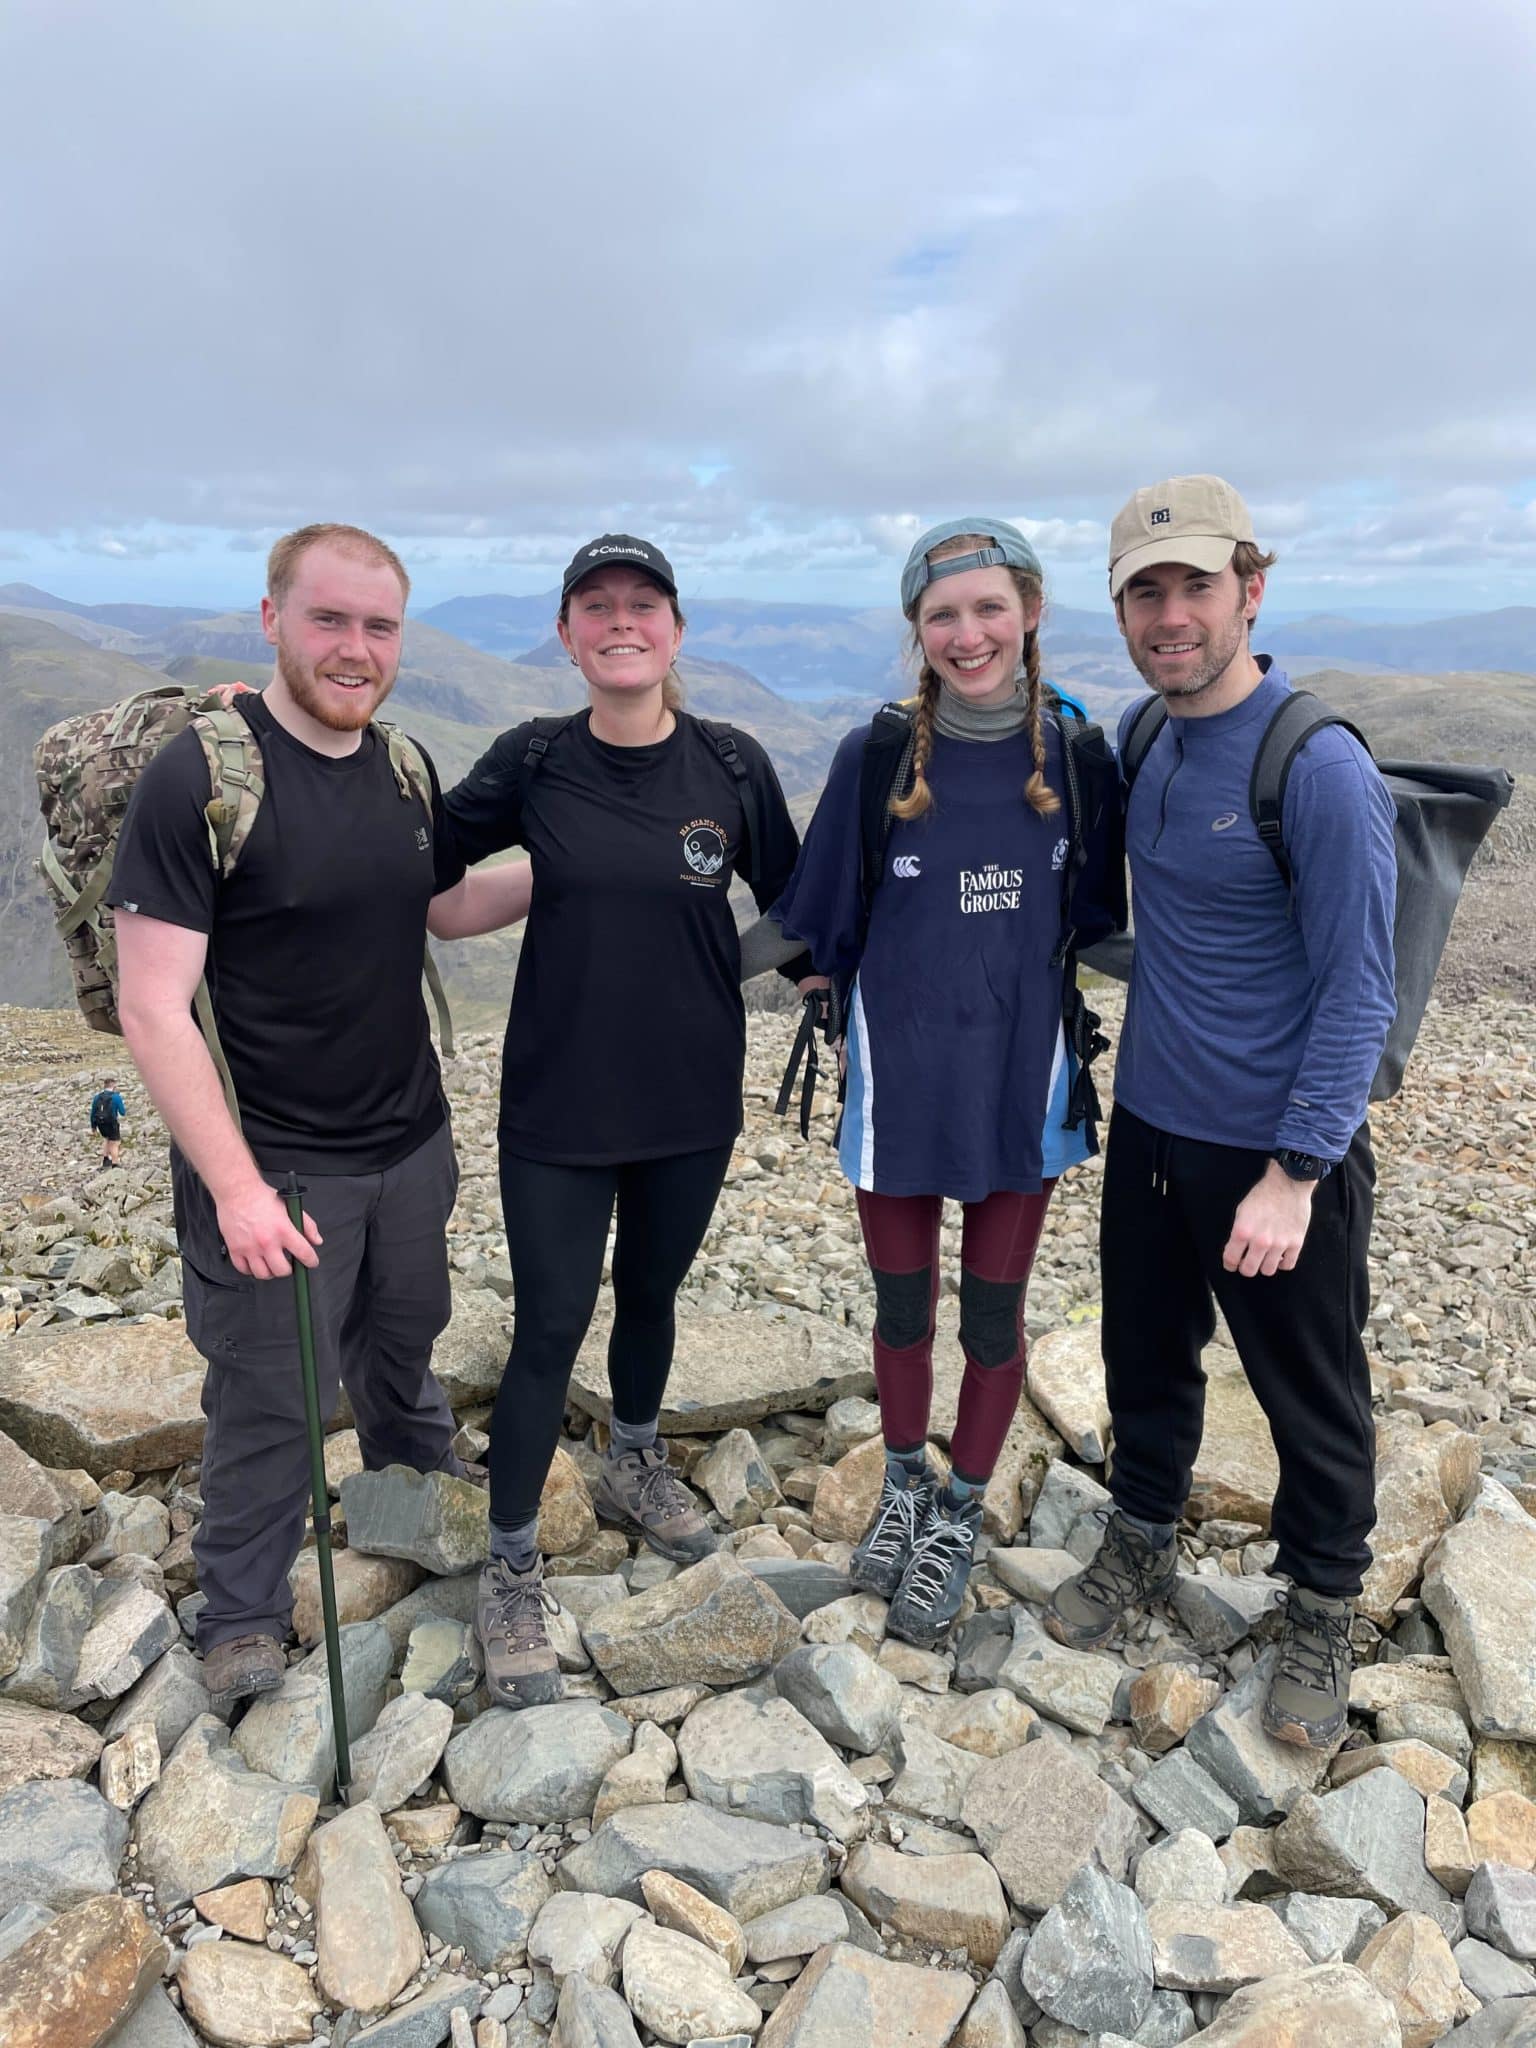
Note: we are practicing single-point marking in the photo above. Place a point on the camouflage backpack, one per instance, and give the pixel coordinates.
(86, 768)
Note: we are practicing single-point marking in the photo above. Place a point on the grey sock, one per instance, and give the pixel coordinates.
(905, 1466)
(630, 1436)
(1158, 1534)
(517, 1546)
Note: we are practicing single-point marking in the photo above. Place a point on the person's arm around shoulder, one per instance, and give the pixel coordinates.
(822, 902)
(159, 968)
(764, 944)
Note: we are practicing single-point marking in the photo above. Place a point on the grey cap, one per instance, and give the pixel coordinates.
(1009, 550)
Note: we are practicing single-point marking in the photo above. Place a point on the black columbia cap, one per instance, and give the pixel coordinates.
(621, 551)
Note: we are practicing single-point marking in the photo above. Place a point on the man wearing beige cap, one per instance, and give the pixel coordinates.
(1238, 1168)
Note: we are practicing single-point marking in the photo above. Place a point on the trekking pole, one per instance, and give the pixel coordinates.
(322, 1499)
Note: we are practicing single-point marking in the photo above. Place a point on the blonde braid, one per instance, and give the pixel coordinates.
(1038, 793)
(919, 797)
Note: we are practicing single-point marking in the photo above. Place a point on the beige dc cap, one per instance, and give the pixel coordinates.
(1193, 519)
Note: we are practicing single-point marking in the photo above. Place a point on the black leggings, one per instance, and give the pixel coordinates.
(557, 1228)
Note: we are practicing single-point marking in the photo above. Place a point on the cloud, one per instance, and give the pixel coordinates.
(763, 282)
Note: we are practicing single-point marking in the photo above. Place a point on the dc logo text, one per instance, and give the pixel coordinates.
(907, 866)
(1162, 516)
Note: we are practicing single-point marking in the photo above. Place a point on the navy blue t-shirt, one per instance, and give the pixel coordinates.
(958, 1073)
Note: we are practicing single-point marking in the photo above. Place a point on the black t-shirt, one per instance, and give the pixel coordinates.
(626, 1036)
(315, 942)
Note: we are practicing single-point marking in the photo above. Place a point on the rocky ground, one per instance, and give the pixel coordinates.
(757, 1817)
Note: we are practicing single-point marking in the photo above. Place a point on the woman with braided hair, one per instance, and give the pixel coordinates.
(965, 845)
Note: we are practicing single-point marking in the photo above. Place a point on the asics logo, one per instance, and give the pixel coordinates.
(1225, 822)
(907, 865)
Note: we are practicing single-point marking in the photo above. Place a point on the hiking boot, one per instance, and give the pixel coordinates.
(243, 1665)
(885, 1549)
(640, 1491)
(1127, 1574)
(1308, 1698)
(938, 1571)
(521, 1668)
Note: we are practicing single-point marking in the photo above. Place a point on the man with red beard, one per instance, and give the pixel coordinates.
(312, 951)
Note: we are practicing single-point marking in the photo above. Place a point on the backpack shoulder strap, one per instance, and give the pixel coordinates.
(236, 782)
(724, 738)
(1147, 721)
(883, 768)
(1287, 733)
(1066, 707)
(545, 731)
(407, 763)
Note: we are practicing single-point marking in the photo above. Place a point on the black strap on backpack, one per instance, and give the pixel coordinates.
(814, 1013)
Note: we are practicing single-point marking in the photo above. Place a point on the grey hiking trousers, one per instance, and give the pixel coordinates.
(379, 1297)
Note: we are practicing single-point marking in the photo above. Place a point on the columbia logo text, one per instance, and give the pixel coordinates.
(907, 865)
(593, 553)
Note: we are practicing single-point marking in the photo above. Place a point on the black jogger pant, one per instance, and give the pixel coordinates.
(1167, 1214)
(378, 1298)
(557, 1221)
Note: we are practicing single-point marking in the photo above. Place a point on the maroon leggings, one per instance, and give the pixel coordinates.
(997, 1249)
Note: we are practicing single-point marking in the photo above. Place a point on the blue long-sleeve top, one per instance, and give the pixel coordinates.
(1252, 1020)
(958, 1069)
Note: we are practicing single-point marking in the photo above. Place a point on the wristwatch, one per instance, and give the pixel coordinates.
(1302, 1165)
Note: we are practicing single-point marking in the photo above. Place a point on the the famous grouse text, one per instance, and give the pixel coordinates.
(990, 888)
(704, 847)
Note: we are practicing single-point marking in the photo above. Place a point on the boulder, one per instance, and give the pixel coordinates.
(1075, 1687)
(677, 1905)
(567, 1519)
(1501, 1909)
(28, 1488)
(1236, 1470)
(842, 1692)
(1330, 2006)
(131, 1629)
(739, 1484)
(81, 1976)
(680, 1989)
(289, 1734)
(1219, 1947)
(1365, 1841)
(398, 1755)
(714, 1623)
(580, 1933)
(487, 1905)
(39, 1742)
(426, 2019)
(988, 1723)
(541, 1764)
(1179, 1794)
(436, 1521)
(1480, 1585)
(732, 1371)
(1263, 1776)
(1166, 1701)
(798, 1929)
(60, 1843)
(1090, 1961)
(130, 1766)
(762, 1758)
(747, 1866)
(1066, 1383)
(1410, 1963)
(171, 1694)
(1424, 1478)
(945, 1901)
(366, 1938)
(127, 1395)
(240, 1909)
(44, 1675)
(804, 1584)
(1184, 1869)
(933, 1777)
(1040, 1814)
(591, 2016)
(365, 1587)
(212, 1819)
(639, 1779)
(26, 1552)
(1330, 1930)
(845, 1995)
(240, 1996)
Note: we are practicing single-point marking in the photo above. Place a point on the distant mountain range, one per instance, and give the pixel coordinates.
(796, 676)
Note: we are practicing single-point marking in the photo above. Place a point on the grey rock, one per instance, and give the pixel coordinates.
(747, 1866)
(762, 1758)
(60, 1842)
(582, 1597)
(26, 1552)
(131, 1630)
(1487, 1973)
(950, 1901)
(845, 1996)
(486, 1905)
(540, 1764)
(933, 1777)
(983, 1646)
(1179, 1794)
(211, 1819)
(1169, 2019)
(991, 2021)
(439, 1522)
(1501, 1908)
(1040, 1813)
(426, 2021)
(1507, 2023)
(848, 1423)
(1033, 1574)
(1262, 1775)
(1008, 1971)
(591, 2016)
(1183, 1866)
(398, 1755)
(50, 1649)
(1365, 1841)
(798, 1929)
(19, 1925)
(581, 1932)
(1066, 1496)
(155, 2023)
(740, 1485)
(126, 1525)
(1479, 1584)
(1090, 1962)
(1075, 1687)
(1330, 1930)
(842, 1692)
(802, 1583)
(289, 1734)
(171, 1694)
(1220, 1610)
(1421, 1721)
(1219, 1948)
(715, 1624)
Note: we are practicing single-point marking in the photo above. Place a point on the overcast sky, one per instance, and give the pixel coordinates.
(772, 284)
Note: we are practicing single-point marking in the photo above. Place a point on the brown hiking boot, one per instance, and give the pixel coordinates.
(521, 1667)
(243, 1665)
(1126, 1575)
(1308, 1698)
(640, 1492)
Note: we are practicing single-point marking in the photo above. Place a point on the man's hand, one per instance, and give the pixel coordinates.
(258, 1236)
(1270, 1226)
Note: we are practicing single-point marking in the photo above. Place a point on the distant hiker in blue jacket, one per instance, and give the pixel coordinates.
(1239, 1169)
(996, 852)
(108, 1110)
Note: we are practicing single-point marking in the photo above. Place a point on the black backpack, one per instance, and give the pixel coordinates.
(1091, 801)
(1444, 812)
(547, 730)
(101, 1108)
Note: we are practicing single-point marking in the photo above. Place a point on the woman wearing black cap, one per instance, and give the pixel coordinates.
(621, 1072)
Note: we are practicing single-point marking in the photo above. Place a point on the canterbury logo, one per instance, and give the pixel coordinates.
(907, 865)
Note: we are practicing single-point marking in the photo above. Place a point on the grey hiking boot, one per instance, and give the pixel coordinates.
(885, 1549)
(1308, 1698)
(640, 1491)
(242, 1666)
(521, 1668)
(934, 1582)
(1128, 1573)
